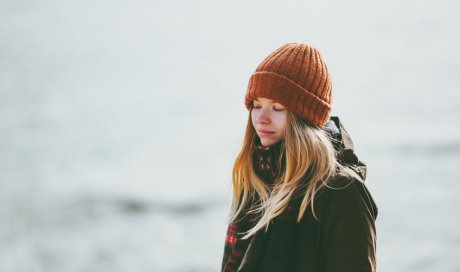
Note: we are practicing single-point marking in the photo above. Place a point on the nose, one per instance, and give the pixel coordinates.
(263, 116)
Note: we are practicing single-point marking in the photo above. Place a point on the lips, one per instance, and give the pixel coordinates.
(265, 132)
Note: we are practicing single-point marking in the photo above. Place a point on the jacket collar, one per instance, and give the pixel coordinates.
(344, 146)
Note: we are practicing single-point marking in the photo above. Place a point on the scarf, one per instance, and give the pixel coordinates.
(265, 164)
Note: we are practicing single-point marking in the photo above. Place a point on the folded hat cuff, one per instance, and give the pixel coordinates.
(290, 94)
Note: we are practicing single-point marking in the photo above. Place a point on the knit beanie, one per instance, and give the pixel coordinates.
(295, 76)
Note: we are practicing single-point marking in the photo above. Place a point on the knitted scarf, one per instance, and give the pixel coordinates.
(265, 164)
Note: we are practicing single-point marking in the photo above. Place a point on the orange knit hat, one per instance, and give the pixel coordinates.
(295, 76)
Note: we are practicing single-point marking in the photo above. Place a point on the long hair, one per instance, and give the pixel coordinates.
(309, 154)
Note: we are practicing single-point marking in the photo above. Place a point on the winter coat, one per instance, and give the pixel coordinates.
(342, 240)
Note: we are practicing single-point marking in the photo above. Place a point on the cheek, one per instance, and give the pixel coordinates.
(280, 120)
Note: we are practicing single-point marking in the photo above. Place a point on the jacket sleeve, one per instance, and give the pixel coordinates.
(348, 233)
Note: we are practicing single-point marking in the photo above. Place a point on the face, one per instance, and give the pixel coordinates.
(269, 120)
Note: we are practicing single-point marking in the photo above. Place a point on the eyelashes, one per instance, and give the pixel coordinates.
(275, 109)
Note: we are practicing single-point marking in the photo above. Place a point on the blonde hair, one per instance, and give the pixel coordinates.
(309, 154)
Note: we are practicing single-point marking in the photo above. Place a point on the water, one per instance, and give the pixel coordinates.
(120, 121)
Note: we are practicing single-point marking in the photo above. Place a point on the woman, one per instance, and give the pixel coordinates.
(299, 199)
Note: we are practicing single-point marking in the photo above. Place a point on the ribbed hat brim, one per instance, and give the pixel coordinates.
(290, 94)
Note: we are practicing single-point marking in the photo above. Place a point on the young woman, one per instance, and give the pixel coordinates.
(299, 199)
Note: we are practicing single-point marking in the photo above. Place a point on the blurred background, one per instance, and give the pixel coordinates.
(120, 122)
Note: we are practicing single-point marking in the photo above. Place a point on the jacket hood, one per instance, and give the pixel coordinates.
(344, 146)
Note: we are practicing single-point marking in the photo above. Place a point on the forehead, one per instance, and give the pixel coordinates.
(263, 99)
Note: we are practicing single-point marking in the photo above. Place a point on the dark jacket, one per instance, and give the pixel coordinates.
(344, 238)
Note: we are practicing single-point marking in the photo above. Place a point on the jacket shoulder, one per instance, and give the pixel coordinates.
(348, 234)
(347, 191)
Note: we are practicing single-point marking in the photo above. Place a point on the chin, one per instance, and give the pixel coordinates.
(267, 142)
